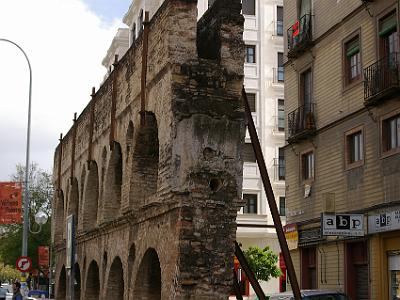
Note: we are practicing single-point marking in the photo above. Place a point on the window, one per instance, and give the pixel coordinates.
(248, 153)
(249, 7)
(251, 54)
(279, 20)
(281, 164)
(305, 8)
(388, 38)
(251, 98)
(391, 133)
(306, 89)
(281, 70)
(281, 115)
(307, 163)
(282, 206)
(355, 147)
(251, 203)
(352, 60)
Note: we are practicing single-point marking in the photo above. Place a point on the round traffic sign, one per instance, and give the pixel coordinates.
(24, 264)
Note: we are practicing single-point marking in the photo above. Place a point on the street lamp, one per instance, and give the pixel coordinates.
(40, 219)
(28, 137)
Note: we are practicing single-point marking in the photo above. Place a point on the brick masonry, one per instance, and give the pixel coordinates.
(156, 204)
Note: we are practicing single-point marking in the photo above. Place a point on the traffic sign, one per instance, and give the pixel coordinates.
(24, 264)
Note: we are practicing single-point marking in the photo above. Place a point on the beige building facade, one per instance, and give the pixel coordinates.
(343, 144)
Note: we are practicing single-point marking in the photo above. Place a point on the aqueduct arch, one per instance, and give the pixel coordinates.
(153, 160)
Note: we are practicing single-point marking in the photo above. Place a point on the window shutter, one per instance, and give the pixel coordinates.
(248, 153)
(251, 98)
(387, 25)
(353, 47)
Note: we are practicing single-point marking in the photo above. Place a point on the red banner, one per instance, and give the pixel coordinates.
(10, 203)
(43, 256)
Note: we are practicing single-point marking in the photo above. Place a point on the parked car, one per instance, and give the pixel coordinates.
(312, 295)
(3, 293)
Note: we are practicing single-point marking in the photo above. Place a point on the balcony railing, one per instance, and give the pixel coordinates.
(301, 123)
(299, 36)
(279, 75)
(279, 169)
(381, 79)
(278, 28)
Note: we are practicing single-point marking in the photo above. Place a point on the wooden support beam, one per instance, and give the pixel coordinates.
(271, 198)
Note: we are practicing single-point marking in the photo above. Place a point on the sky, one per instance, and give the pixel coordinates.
(65, 40)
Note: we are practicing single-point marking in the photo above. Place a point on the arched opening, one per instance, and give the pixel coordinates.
(115, 284)
(92, 289)
(61, 285)
(112, 192)
(59, 216)
(148, 278)
(145, 162)
(73, 198)
(90, 204)
(77, 282)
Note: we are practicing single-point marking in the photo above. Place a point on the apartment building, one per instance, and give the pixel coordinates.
(264, 82)
(343, 144)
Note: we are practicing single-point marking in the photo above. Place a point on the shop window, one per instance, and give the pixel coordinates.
(249, 7)
(250, 54)
(282, 206)
(307, 166)
(248, 153)
(251, 203)
(352, 59)
(281, 115)
(391, 134)
(251, 98)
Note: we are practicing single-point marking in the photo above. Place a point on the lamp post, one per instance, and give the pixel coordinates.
(28, 137)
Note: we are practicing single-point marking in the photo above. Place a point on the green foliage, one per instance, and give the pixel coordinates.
(8, 273)
(40, 195)
(263, 262)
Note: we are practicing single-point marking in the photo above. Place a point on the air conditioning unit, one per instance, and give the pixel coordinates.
(328, 202)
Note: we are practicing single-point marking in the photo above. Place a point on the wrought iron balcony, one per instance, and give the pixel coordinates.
(279, 169)
(381, 80)
(301, 123)
(299, 36)
(279, 75)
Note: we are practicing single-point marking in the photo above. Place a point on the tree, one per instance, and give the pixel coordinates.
(40, 195)
(263, 262)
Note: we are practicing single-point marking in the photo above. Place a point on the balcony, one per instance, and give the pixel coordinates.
(301, 123)
(279, 169)
(279, 75)
(381, 80)
(299, 36)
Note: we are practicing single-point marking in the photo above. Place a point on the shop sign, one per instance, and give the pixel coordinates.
(343, 224)
(43, 256)
(10, 203)
(386, 221)
(310, 236)
(291, 235)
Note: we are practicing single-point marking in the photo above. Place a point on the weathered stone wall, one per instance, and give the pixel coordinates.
(156, 204)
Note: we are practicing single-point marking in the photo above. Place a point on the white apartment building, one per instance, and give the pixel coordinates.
(264, 77)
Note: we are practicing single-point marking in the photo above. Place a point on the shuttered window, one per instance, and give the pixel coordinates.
(251, 204)
(279, 20)
(249, 7)
(251, 98)
(248, 153)
(352, 60)
(391, 133)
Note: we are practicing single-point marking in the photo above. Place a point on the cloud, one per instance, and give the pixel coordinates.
(65, 43)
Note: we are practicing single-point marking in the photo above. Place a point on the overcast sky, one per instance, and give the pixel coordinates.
(65, 41)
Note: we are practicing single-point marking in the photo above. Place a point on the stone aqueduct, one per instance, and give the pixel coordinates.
(156, 202)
